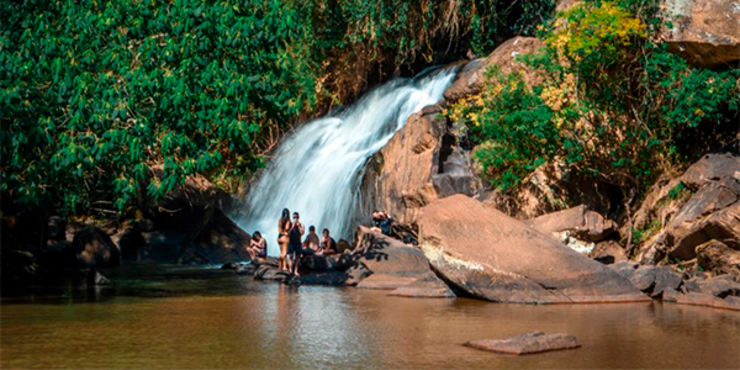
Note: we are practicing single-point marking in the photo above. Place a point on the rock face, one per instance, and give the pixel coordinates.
(417, 166)
(578, 221)
(386, 263)
(715, 255)
(94, 248)
(706, 32)
(489, 255)
(711, 212)
(471, 78)
(527, 343)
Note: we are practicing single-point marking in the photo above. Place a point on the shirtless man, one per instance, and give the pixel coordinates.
(311, 245)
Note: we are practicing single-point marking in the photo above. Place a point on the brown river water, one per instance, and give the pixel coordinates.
(167, 317)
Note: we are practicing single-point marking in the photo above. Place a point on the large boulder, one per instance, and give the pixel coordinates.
(428, 286)
(715, 255)
(577, 221)
(705, 32)
(489, 255)
(94, 248)
(385, 263)
(416, 166)
(470, 79)
(709, 210)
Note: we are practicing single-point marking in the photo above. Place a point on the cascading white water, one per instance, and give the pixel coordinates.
(314, 171)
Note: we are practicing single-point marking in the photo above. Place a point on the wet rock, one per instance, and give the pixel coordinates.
(429, 286)
(720, 286)
(327, 278)
(94, 248)
(701, 299)
(715, 255)
(578, 221)
(705, 32)
(608, 252)
(491, 256)
(385, 282)
(267, 272)
(246, 269)
(528, 343)
(470, 79)
(317, 263)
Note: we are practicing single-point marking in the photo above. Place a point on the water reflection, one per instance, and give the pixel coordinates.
(241, 323)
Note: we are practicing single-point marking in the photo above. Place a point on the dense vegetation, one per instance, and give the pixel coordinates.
(602, 97)
(93, 93)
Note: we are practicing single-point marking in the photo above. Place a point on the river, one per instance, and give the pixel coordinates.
(174, 317)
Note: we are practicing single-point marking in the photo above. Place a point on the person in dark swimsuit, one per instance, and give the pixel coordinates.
(257, 246)
(284, 226)
(382, 221)
(295, 248)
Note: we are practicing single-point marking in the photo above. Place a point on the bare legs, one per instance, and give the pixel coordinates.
(283, 260)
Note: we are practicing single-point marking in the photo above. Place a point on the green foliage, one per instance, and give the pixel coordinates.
(609, 102)
(677, 191)
(94, 93)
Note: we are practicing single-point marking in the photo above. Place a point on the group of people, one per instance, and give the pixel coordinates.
(293, 245)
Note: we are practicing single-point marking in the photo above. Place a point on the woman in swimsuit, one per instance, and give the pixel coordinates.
(284, 226)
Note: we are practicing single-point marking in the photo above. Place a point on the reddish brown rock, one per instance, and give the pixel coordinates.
(528, 343)
(710, 168)
(382, 262)
(701, 299)
(471, 78)
(706, 32)
(492, 256)
(715, 255)
(608, 252)
(429, 286)
(417, 166)
(720, 286)
(578, 221)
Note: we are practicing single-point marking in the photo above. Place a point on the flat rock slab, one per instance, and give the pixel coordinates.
(701, 299)
(384, 282)
(429, 286)
(528, 343)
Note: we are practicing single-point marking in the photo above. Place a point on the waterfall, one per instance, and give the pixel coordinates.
(315, 169)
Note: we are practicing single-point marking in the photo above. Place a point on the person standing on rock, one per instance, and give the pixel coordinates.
(284, 227)
(295, 247)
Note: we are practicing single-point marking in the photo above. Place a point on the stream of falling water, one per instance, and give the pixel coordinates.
(315, 169)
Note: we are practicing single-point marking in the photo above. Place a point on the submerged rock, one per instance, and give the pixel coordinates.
(491, 256)
(528, 343)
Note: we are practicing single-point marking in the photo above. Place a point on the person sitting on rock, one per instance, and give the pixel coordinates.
(328, 244)
(382, 221)
(295, 248)
(257, 246)
(311, 245)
